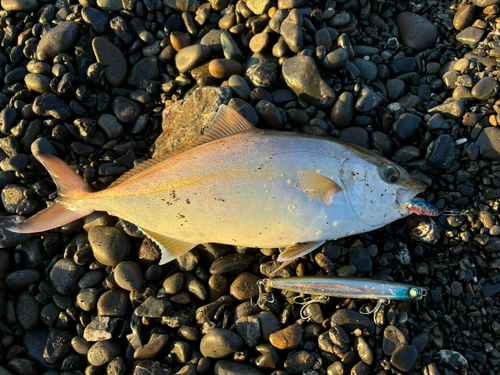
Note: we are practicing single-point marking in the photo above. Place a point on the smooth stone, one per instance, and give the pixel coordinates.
(355, 135)
(287, 338)
(174, 283)
(401, 66)
(359, 257)
(259, 42)
(436, 122)
(110, 5)
(113, 303)
(9, 238)
(269, 324)
(115, 64)
(57, 346)
(395, 88)
(146, 69)
(183, 5)
(57, 40)
(302, 76)
(37, 82)
(258, 6)
(191, 56)
(485, 89)
(156, 343)
(103, 352)
(336, 59)
(368, 100)
(489, 143)
(239, 86)
(406, 358)
(441, 152)
(128, 275)
(343, 110)
(87, 299)
(227, 367)
(49, 104)
(65, 275)
(110, 245)
(126, 110)
(231, 264)
(224, 68)
(416, 32)
(290, 4)
(464, 16)
(405, 127)
(96, 18)
(219, 40)
(244, 286)
(300, 362)
(19, 5)
(393, 340)
(454, 109)
(291, 31)
(27, 311)
(339, 337)
(219, 343)
(110, 126)
(367, 69)
(248, 328)
(470, 35)
(351, 320)
(21, 279)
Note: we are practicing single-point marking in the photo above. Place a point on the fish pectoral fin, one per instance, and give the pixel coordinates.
(226, 122)
(318, 186)
(170, 248)
(297, 250)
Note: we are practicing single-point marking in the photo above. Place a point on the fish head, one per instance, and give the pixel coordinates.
(377, 188)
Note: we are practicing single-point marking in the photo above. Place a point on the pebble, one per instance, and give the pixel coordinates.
(405, 127)
(470, 35)
(489, 143)
(393, 340)
(454, 109)
(226, 367)
(464, 16)
(126, 110)
(287, 338)
(367, 69)
(351, 320)
(249, 329)
(224, 68)
(174, 283)
(359, 258)
(87, 299)
(156, 342)
(291, 31)
(219, 343)
(191, 56)
(64, 276)
(485, 89)
(262, 75)
(21, 279)
(110, 245)
(128, 275)
(336, 59)
(302, 76)
(115, 64)
(113, 303)
(406, 358)
(244, 286)
(49, 104)
(27, 311)
(300, 362)
(416, 32)
(57, 40)
(441, 152)
(231, 264)
(100, 328)
(19, 5)
(37, 82)
(102, 352)
(146, 69)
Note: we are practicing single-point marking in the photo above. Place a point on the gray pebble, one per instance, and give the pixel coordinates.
(57, 40)
(21, 279)
(128, 275)
(191, 56)
(27, 311)
(103, 352)
(110, 245)
(113, 303)
(154, 308)
(57, 346)
(291, 31)
(219, 343)
(65, 275)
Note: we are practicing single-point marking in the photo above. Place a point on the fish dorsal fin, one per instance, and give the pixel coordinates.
(170, 248)
(318, 186)
(226, 122)
(295, 251)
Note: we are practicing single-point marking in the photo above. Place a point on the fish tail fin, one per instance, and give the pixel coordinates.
(70, 186)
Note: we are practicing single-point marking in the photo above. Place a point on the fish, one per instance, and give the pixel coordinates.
(243, 186)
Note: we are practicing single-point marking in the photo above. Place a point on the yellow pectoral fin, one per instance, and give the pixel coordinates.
(170, 248)
(318, 186)
(297, 250)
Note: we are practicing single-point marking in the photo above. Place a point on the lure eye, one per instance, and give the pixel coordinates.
(392, 175)
(414, 292)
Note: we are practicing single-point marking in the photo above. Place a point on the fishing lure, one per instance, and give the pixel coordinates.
(322, 287)
(422, 208)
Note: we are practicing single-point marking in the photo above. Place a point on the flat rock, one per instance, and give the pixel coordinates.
(302, 76)
(191, 56)
(115, 64)
(49, 104)
(416, 31)
(57, 40)
(187, 119)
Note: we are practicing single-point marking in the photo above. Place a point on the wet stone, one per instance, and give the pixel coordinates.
(302, 76)
(287, 338)
(416, 32)
(65, 275)
(110, 245)
(219, 343)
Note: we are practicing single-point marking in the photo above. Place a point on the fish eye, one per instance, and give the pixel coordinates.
(392, 175)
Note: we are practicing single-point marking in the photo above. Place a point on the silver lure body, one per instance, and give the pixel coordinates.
(343, 287)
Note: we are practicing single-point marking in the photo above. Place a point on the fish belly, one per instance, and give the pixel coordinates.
(246, 193)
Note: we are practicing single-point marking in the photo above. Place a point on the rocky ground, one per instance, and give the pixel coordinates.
(107, 84)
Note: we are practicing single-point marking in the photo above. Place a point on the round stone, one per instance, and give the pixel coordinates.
(37, 82)
(128, 275)
(113, 303)
(65, 275)
(110, 245)
(219, 343)
(57, 40)
(224, 68)
(103, 352)
(244, 286)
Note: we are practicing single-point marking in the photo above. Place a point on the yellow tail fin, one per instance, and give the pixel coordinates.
(70, 187)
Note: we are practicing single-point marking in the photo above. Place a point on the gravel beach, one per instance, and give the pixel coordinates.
(108, 84)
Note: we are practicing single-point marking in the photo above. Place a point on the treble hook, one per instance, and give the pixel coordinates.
(376, 308)
(261, 299)
(454, 212)
(306, 302)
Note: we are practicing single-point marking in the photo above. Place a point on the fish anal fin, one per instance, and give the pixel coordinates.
(170, 248)
(295, 251)
(225, 123)
(318, 186)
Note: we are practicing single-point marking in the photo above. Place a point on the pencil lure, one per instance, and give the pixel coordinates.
(344, 287)
(241, 186)
(422, 208)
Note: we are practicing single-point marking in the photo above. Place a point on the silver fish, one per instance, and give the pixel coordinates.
(243, 186)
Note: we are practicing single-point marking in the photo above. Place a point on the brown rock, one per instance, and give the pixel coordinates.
(179, 40)
(244, 286)
(464, 17)
(154, 345)
(19, 5)
(115, 64)
(224, 68)
(259, 42)
(287, 338)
